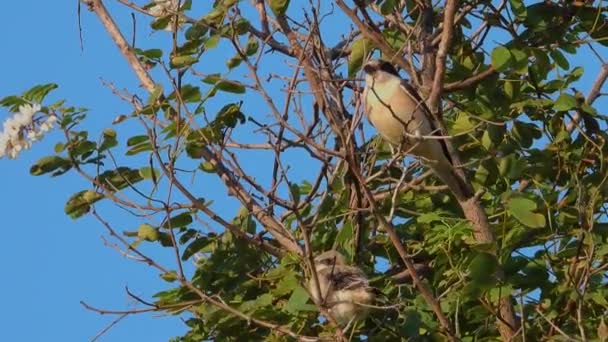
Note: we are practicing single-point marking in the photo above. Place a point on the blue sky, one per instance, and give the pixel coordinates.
(50, 262)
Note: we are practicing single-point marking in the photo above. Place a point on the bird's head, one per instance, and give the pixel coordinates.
(329, 259)
(379, 70)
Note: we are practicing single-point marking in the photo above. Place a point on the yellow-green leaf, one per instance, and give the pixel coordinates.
(279, 7)
(360, 49)
(523, 210)
(147, 232)
(501, 58)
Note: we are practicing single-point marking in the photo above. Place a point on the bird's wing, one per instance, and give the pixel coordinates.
(411, 91)
(348, 278)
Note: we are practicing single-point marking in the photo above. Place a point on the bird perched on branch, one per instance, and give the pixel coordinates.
(402, 118)
(343, 289)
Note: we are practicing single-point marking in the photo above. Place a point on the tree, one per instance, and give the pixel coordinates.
(280, 130)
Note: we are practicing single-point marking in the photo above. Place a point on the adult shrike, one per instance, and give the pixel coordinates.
(343, 289)
(401, 117)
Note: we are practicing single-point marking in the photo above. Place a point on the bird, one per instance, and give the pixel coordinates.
(344, 290)
(401, 117)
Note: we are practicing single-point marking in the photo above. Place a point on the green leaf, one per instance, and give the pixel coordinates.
(139, 148)
(345, 235)
(594, 22)
(520, 61)
(183, 61)
(512, 166)
(486, 141)
(207, 167)
(151, 53)
(155, 95)
(412, 325)
(38, 93)
(190, 94)
(138, 139)
(388, 6)
(560, 59)
(230, 87)
(147, 232)
(279, 7)
(13, 102)
(195, 246)
(298, 301)
(428, 217)
(140, 143)
(161, 23)
(565, 102)
(197, 30)
(149, 173)
(109, 139)
(462, 124)
(360, 49)
(170, 276)
(519, 9)
(286, 285)
(212, 78)
(119, 178)
(212, 41)
(252, 46)
(501, 58)
(523, 210)
(482, 267)
(80, 203)
(59, 147)
(525, 133)
(259, 303)
(81, 148)
(179, 220)
(295, 192)
(234, 62)
(50, 164)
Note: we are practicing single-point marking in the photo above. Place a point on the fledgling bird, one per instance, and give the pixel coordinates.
(402, 118)
(344, 289)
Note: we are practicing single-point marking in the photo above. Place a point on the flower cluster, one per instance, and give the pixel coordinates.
(21, 130)
(163, 8)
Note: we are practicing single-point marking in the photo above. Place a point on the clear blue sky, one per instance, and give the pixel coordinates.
(48, 261)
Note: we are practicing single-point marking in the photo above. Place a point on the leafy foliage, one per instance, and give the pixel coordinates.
(533, 147)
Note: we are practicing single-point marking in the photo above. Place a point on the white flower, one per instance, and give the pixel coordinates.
(28, 110)
(163, 8)
(20, 130)
(51, 120)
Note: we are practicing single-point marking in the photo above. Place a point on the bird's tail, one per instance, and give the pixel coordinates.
(447, 173)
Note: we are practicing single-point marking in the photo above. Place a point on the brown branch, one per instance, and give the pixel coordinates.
(322, 100)
(469, 82)
(594, 93)
(110, 26)
(440, 59)
(471, 206)
(378, 40)
(108, 327)
(405, 276)
(425, 292)
(204, 297)
(274, 227)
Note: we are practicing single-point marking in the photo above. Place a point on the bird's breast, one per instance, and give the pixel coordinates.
(389, 110)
